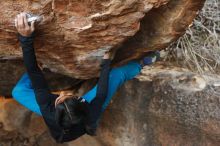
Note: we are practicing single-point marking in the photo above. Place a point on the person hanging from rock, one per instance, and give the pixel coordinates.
(66, 116)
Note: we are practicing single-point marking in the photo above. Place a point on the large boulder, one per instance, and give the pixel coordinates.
(73, 35)
(162, 106)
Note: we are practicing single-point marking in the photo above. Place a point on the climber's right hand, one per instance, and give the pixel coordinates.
(107, 55)
(22, 26)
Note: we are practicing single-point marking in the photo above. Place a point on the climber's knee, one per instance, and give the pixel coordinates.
(16, 92)
(116, 74)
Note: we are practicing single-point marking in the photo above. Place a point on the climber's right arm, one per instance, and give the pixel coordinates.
(26, 38)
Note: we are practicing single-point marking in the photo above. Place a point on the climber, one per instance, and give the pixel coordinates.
(66, 116)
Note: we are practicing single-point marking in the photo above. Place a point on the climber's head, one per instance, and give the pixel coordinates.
(70, 112)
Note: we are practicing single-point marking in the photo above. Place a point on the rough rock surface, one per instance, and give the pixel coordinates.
(74, 34)
(162, 106)
(165, 106)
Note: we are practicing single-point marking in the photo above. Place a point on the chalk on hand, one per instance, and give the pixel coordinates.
(32, 17)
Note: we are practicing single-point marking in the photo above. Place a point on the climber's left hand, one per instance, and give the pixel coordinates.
(22, 25)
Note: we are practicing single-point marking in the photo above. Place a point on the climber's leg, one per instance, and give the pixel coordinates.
(116, 78)
(24, 94)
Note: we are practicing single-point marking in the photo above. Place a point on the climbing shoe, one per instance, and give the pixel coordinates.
(150, 58)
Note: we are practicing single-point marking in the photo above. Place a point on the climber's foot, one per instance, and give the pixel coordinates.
(151, 58)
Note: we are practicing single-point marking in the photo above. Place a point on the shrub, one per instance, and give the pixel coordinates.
(199, 48)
